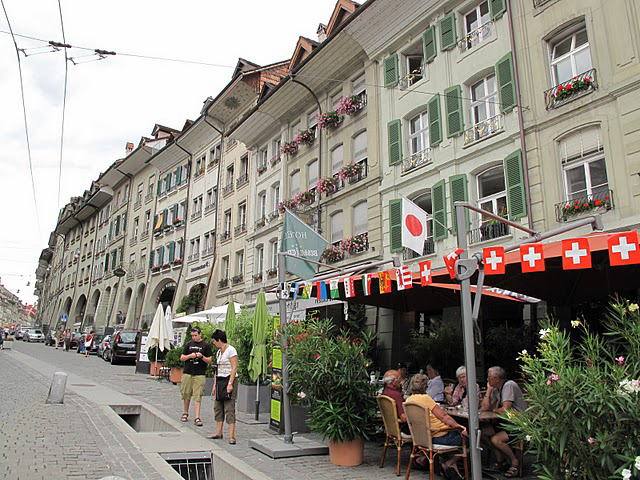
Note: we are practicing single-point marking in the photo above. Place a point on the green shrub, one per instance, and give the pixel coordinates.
(151, 354)
(172, 359)
(442, 347)
(583, 418)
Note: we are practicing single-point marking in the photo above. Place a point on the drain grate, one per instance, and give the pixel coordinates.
(190, 465)
(82, 385)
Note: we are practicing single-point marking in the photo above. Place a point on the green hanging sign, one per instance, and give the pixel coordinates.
(301, 240)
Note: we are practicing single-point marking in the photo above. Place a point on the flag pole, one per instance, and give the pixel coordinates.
(286, 405)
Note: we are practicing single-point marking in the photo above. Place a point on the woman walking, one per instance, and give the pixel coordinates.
(225, 386)
(88, 343)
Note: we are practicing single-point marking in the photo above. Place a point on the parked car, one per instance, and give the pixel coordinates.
(33, 335)
(123, 346)
(75, 340)
(103, 346)
(19, 333)
(94, 346)
(50, 339)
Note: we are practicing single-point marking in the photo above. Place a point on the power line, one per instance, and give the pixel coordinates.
(24, 113)
(64, 102)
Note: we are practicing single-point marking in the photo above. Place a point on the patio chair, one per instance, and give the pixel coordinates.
(420, 426)
(393, 435)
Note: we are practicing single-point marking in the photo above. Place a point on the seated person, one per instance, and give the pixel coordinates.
(393, 388)
(440, 422)
(502, 395)
(458, 395)
(404, 379)
(435, 389)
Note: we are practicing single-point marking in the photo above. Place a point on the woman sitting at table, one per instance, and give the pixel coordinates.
(458, 396)
(440, 423)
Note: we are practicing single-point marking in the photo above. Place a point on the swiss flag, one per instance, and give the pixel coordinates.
(425, 273)
(623, 248)
(450, 261)
(576, 254)
(493, 259)
(532, 257)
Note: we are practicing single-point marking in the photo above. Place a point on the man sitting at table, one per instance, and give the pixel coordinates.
(435, 389)
(502, 395)
(393, 388)
(440, 422)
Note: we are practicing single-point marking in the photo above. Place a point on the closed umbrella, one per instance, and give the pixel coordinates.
(258, 358)
(157, 332)
(168, 325)
(230, 321)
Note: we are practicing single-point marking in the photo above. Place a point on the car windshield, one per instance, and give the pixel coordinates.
(39, 332)
(128, 337)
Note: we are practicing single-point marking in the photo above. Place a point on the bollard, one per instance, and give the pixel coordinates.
(56, 390)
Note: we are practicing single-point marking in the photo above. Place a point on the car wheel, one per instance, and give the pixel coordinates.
(114, 359)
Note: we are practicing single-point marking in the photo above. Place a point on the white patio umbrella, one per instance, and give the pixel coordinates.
(218, 314)
(158, 333)
(168, 326)
(190, 319)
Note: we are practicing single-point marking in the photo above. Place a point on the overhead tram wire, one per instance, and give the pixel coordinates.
(24, 113)
(64, 103)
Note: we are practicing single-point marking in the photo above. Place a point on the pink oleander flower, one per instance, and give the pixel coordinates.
(620, 360)
(591, 440)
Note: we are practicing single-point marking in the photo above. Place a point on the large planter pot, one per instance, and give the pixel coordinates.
(246, 400)
(175, 375)
(155, 367)
(347, 454)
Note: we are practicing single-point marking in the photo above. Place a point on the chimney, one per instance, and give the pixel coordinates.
(129, 148)
(322, 32)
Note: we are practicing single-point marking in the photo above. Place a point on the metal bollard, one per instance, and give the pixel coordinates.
(56, 390)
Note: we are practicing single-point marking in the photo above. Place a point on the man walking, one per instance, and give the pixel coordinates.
(196, 356)
(67, 339)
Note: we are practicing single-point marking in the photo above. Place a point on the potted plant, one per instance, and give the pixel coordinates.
(350, 105)
(290, 148)
(172, 361)
(156, 362)
(329, 120)
(328, 185)
(306, 137)
(332, 254)
(328, 373)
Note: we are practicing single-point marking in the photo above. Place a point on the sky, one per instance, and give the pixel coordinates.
(116, 100)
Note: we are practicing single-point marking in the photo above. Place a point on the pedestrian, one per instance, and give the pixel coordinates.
(67, 339)
(225, 386)
(58, 337)
(196, 357)
(88, 343)
(1, 338)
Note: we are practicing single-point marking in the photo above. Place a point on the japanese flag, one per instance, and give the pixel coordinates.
(414, 226)
(623, 248)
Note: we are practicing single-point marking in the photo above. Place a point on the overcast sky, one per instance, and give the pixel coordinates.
(116, 100)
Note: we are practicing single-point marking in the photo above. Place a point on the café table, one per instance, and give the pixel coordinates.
(484, 416)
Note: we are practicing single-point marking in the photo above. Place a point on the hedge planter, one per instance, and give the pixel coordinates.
(155, 367)
(175, 375)
(347, 454)
(246, 400)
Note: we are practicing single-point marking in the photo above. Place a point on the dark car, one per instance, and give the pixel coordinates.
(75, 340)
(104, 346)
(94, 345)
(123, 346)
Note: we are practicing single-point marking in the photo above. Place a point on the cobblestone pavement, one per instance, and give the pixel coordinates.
(166, 397)
(69, 441)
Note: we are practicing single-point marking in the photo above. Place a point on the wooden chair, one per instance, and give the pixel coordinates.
(420, 426)
(393, 436)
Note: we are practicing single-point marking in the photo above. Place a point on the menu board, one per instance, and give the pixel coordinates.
(275, 422)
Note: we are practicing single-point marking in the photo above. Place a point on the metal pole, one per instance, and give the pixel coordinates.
(469, 350)
(288, 437)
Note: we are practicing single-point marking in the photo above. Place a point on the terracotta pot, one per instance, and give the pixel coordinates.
(175, 375)
(155, 367)
(347, 454)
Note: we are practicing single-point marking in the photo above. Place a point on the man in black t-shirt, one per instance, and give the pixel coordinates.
(196, 357)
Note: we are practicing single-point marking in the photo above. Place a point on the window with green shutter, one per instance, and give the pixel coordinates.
(151, 257)
(458, 189)
(429, 47)
(161, 255)
(506, 83)
(435, 123)
(394, 132)
(114, 259)
(172, 250)
(448, 37)
(159, 187)
(453, 108)
(391, 71)
(177, 176)
(514, 182)
(439, 207)
(165, 217)
(167, 182)
(497, 8)
(395, 225)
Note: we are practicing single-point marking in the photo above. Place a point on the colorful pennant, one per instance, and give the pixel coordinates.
(403, 277)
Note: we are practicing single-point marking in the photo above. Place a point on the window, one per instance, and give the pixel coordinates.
(585, 172)
(412, 64)
(358, 86)
(262, 205)
(151, 185)
(294, 183)
(229, 176)
(259, 263)
(182, 209)
(200, 163)
(240, 262)
(477, 25)
(211, 199)
(295, 128)
(139, 193)
(147, 221)
(570, 56)
(143, 259)
(360, 146)
(274, 253)
(337, 159)
(224, 270)
(208, 240)
(275, 147)
(484, 99)
(312, 119)
(418, 133)
(227, 222)
(136, 226)
(242, 214)
(360, 219)
(179, 249)
(312, 174)
(215, 154)
(244, 165)
(263, 156)
(337, 225)
(275, 195)
(492, 195)
(334, 100)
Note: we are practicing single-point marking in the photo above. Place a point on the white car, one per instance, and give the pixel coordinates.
(33, 335)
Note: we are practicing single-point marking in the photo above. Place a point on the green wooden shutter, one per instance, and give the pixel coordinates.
(497, 8)
(159, 191)
(172, 250)
(391, 71)
(435, 123)
(161, 255)
(167, 181)
(165, 217)
(439, 207)
(448, 37)
(124, 222)
(514, 181)
(506, 85)
(151, 256)
(179, 171)
(395, 142)
(395, 225)
(429, 47)
(453, 107)
(459, 193)
(175, 211)
(114, 259)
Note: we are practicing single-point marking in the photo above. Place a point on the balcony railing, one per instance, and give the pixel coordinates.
(361, 175)
(261, 222)
(148, 197)
(236, 279)
(195, 215)
(275, 159)
(428, 249)
(242, 180)
(572, 89)
(416, 160)
(224, 283)
(539, 3)
(489, 230)
(484, 129)
(210, 207)
(240, 229)
(208, 251)
(137, 204)
(411, 78)
(224, 236)
(228, 188)
(601, 201)
(476, 36)
(193, 256)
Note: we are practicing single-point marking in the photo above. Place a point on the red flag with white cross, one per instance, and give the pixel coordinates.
(425, 273)
(532, 257)
(493, 259)
(576, 254)
(450, 261)
(623, 248)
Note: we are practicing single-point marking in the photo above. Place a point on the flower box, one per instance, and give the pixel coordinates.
(330, 120)
(261, 222)
(155, 268)
(332, 254)
(166, 265)
(257, 278)
(272, 272)
(275, 159)
(576, 85)
(328, 185)
(576, 207)
(261, 169)
(177, 261)
(350, 105)
(272, 216)
(356, 244)
(306, 137)
(176, 221)
(350, 171)
(290, 148)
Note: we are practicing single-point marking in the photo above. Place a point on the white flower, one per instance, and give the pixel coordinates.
(638, 463)
(302, 395)
(544, 332)
(633, 307)
(629, 386)
(626, 474)
(575, 323)
(528, 438)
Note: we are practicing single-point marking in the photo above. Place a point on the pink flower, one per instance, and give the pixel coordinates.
(591, 440)
(548, 382)
(554, 377)
(620, 360)
(317, 356)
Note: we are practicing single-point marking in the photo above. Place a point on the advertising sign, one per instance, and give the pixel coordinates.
(275, 422)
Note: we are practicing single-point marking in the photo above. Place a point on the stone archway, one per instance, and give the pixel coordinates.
(164, 293)
(80, 309)
(135, 308)
(66, 308)
(123, 306)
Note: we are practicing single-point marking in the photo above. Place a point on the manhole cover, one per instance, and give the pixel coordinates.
(82, 385)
